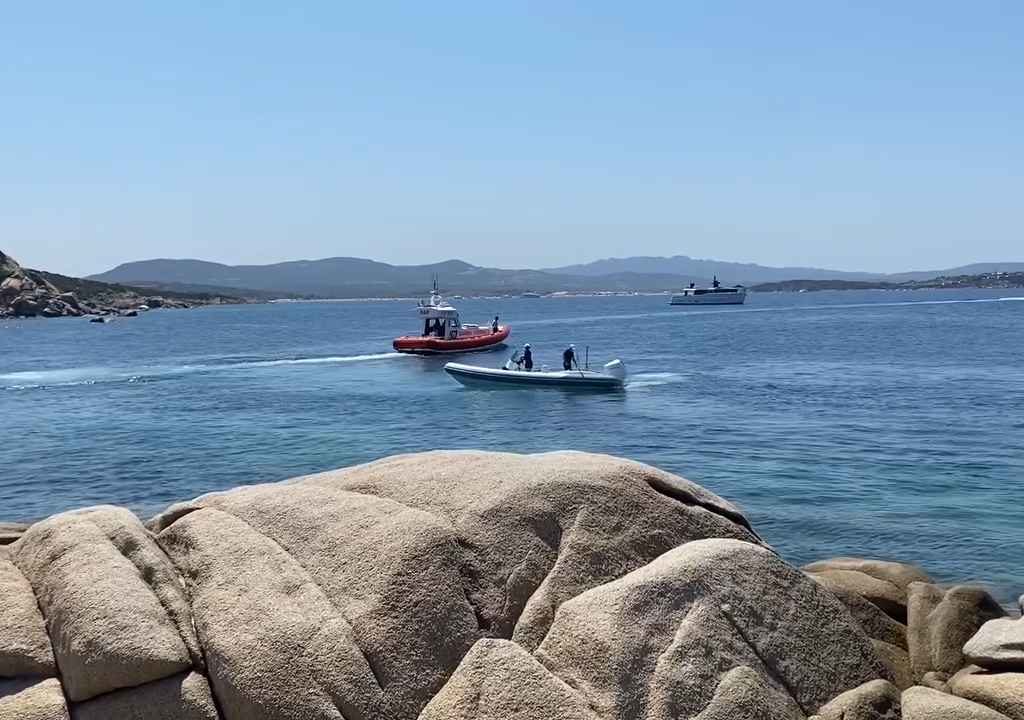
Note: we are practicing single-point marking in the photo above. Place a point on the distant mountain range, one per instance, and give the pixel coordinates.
(346, 277)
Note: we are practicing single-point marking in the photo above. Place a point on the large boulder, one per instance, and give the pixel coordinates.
(922, 703)
(851, 577)
(660, 642)
(393, 570)
(70, 299)
(24, 645)
(936, 681)
(28, 305)
(873, 620)
(875, 700)
(746, 693)
(257, 610)
(114, 607)
(941, 621)
(897, 661)
(24, 699)
(499, 680)
(182, 697)
(9, 532)
(998, 645)
(894, 573)
(1000, 691)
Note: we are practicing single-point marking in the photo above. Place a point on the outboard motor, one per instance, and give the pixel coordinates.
(616, 368)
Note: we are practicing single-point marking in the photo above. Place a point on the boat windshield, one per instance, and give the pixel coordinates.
(434, 326)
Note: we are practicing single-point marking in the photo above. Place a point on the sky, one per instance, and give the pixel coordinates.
(868, 135)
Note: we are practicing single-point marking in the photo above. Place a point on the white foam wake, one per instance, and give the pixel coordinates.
(91, 375)
(645, 380)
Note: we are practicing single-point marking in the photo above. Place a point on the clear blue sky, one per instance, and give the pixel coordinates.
(858, 135)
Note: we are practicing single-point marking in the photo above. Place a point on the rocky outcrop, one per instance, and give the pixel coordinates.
(34, 293)
(510, 539)
(26, 293)
(659, 641)
(922, 703)
(181, 697)
(25, 296)
(1002, 691)
(465, 586)
(875, 700)
(9, 532)
(884, 584)
(936, 681)
(873, 620)
(499, 680)
(998, 645)
(897, 662)
(113, 604)
(27, 699)
(24, 645)
(941, 621)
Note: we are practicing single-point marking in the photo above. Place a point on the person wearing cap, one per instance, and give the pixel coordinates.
(527, 357)
(494, 325)
(568, 357)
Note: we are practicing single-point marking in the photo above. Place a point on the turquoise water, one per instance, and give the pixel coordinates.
(867, 423)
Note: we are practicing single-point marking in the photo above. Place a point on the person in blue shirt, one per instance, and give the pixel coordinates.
(494, 325)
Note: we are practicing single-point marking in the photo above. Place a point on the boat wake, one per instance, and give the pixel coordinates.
(646, 380)
(33, 379)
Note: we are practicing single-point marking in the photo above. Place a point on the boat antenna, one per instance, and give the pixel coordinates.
(588, 358)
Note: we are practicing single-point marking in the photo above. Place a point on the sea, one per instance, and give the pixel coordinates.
(878, 423)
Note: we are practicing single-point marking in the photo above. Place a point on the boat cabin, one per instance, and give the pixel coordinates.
(709, 291)
(715, 289)
(439, 320)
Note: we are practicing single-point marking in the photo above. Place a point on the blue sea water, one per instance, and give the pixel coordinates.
(886, 424)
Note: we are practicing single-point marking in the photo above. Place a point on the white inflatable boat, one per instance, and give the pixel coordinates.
(611, 377)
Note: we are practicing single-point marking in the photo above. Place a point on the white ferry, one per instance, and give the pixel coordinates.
(714, 295)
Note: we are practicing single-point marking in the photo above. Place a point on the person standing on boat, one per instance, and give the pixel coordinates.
(527, 357)
(494, 325)
(568, 357)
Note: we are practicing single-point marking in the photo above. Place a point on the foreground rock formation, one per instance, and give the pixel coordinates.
(469, 585)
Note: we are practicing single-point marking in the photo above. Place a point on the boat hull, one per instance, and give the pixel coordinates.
(419, 345)
(710, 299)
(590, 380)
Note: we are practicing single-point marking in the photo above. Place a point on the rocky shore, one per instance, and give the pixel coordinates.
(32, 293)
(484, 586)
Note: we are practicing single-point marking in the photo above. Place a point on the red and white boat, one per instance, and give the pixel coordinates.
(444, 333)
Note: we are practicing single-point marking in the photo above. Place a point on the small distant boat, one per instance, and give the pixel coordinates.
(443, 332)
(714, 295)
(530, 295)
(611, 377)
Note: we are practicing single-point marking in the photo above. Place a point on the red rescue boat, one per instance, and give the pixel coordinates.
(444, 333)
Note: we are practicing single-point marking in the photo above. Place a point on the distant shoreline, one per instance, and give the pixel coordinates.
(759, 290)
